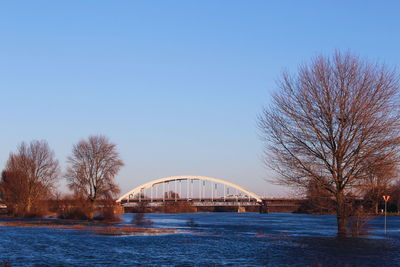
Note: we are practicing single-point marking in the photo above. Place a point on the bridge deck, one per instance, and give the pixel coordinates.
(189, 200)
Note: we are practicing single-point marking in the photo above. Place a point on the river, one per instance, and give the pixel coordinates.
(210, 239)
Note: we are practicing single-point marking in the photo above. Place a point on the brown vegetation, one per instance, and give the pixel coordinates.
(379, 182)
(317, 201)
(171, 195)
(74, 207)
(130, 230)
(178, 206)
(331, 125)
(28, 179)
(100, 229)
(93, 165)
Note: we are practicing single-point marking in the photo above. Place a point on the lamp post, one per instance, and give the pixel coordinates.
(386, 199)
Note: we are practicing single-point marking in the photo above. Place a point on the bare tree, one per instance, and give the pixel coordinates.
(29, 177)
(395, 193)
(171, 195)
(328, 122)
(380, 177)
(93, 165)
(316, 200)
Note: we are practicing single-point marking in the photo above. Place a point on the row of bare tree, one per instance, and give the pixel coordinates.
(370, 200)
(335, 126)
(31, 174)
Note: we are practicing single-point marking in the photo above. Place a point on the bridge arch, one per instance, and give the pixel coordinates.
(138, 190)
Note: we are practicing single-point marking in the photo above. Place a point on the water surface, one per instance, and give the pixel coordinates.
(211, 239)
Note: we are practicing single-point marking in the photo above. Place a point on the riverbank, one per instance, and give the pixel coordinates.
(98, 228)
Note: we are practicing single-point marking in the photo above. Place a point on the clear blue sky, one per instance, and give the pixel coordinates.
(177, 85)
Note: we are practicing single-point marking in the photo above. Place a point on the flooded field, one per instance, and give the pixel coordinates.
(208, 239)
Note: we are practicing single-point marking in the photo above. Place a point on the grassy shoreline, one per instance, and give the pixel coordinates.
(95, 227)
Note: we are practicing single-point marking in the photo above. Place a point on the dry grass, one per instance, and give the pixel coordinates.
(96, 228)
(130, 230)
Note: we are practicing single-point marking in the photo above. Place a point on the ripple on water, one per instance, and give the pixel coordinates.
(215, 239)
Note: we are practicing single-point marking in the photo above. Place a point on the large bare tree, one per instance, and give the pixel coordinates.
(329, 122)
(93, 165)
(29, 177)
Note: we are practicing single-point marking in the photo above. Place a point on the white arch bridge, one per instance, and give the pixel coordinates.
(198, 190)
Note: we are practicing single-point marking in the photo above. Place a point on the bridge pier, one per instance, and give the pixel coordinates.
(263, 207)
(241, 209)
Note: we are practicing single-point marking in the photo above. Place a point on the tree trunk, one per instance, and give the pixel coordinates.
(341, 214)
(28, 207)
(91, 210)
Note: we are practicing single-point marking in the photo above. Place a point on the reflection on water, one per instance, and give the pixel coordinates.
(248, 239)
